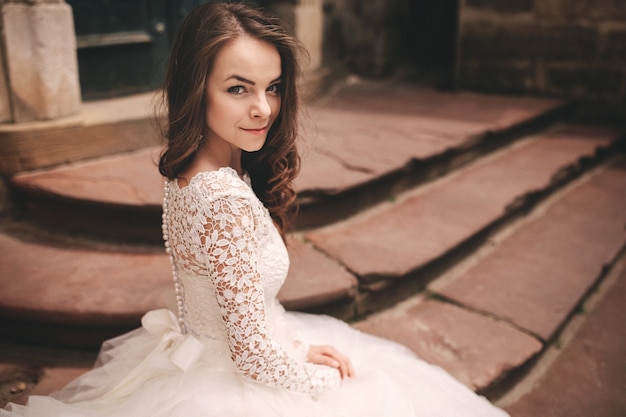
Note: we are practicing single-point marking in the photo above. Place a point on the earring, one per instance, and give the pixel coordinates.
(199, 142)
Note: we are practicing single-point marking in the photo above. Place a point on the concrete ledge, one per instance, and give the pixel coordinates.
(102, 128)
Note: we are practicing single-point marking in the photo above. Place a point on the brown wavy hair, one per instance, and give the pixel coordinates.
(202, 34)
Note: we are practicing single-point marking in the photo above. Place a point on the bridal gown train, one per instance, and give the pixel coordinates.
(231, 349)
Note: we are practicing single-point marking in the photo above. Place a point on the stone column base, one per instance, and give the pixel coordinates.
(305, 18)
(40, 54)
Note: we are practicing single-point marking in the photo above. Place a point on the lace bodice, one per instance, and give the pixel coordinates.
(229, 262)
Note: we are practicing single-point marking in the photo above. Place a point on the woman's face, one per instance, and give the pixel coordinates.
(243, 94)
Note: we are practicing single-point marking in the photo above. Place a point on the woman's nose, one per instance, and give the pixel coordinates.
(261, 107)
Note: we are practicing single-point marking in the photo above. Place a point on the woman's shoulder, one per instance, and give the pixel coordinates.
(221, 183)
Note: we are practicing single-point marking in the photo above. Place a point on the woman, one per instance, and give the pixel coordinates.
(232, 350)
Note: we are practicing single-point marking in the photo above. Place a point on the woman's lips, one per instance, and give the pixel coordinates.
(260, 131)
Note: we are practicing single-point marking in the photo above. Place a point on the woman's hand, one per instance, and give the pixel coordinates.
(329, 356)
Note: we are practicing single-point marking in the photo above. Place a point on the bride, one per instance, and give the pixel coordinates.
(231, 349)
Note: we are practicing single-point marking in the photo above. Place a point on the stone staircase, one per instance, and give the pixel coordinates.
(468, 227)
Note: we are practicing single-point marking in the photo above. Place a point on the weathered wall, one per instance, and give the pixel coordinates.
(366, 35)
(570, 48)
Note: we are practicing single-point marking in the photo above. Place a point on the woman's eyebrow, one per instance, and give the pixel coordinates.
(247, 81)
(240, 78)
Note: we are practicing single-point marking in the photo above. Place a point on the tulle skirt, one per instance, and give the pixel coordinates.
(135, 377)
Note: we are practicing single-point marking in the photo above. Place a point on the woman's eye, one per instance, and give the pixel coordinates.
(237, 89)
(274, 88)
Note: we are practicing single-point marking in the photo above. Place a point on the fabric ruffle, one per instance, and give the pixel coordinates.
(156, 371)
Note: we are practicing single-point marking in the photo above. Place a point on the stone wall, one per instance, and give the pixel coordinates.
(380, 38)
(567, 48)
(366, 35)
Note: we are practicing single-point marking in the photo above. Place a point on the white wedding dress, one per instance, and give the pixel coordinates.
(231, 349)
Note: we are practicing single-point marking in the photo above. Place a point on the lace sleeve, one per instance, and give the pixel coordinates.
(231, 241)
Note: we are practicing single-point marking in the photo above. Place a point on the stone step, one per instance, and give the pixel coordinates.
(99, 291)
(103, 127)
(535, 278)
(359, 146)
(397, 247)
(55, 294)
(494, 314)
(479, 349)
(584, 374)
(33, 370)
(95, 286)
(426, 134)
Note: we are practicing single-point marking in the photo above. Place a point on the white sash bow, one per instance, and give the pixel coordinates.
(184, 349)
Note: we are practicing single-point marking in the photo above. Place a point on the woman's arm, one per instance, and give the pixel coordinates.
(232, 251)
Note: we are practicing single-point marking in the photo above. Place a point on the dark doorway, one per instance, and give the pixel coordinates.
(429, 47)
(412, 39)
(122, 45)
